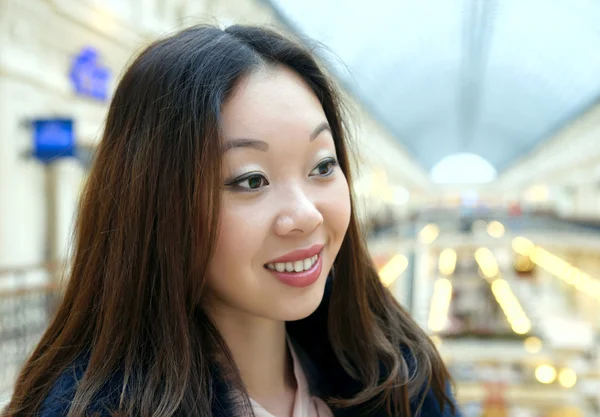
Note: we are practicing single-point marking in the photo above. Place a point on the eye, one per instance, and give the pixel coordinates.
(249, 182)
(325, 168)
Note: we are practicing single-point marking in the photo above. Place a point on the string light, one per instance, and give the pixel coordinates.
(429, 233)
(495, 229)
(546, 374)
(516, 317)
(440, 302)
(447, 261)
(567, 378)
(533, 344)
(523, 263)
(487, 262)
(557, 267)
(393, 269)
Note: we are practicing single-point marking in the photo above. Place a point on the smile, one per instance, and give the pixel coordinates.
(296, 266)
(298, 269)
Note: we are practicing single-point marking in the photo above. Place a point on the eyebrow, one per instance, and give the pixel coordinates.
(246, 143)
(261, 145)
(321, 128)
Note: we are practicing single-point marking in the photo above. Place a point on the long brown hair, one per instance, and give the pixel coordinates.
(147, 221)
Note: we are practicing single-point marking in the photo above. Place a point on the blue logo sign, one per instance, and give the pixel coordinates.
(88, 76)
(53, 139)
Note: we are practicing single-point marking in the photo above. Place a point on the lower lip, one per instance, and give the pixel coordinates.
(300, 279)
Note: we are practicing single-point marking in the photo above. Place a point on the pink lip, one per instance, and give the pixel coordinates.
(301, 279)
(299, 255)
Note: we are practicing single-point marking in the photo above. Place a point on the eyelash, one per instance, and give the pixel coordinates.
(328, 161)
(236, 183)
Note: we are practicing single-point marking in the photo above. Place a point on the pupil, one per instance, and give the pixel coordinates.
(324, 168)
(254, 182)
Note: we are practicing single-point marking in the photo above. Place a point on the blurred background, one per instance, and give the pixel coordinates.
(478, 125)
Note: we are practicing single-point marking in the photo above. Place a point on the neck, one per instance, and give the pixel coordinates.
(259, 350)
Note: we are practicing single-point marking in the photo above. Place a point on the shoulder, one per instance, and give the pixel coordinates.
(430, 406)
(58, 401)
(60, 397)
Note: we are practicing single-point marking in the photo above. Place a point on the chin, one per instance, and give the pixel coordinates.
(300, 307)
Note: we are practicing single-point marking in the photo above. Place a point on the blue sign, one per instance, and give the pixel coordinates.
(88, 76)
(53, 139)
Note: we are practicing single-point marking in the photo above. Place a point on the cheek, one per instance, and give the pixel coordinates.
(241, 233)
(337, 208)
(230, 268)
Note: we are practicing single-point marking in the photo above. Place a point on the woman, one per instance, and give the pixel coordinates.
(219, 269)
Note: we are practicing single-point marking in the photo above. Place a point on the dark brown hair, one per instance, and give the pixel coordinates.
(147, 221)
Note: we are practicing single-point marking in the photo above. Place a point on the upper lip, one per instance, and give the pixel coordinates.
(299, 255)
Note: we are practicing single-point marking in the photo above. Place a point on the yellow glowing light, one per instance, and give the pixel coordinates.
(584, 283)
(429, 233)
(523, 263)
(521, 325)
(440, 302)
(567, 378)
(533, 344)
(522, 245)
(538, 193)
(509, 304)
(499, 286)
(545, 374)
(595, 289)
(495, 229)
(487, 262)
(558, 267)
(569, 275)
(447, 261)
(540, 257)
(393, 269)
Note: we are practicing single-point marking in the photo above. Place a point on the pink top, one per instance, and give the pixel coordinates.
(305, 405)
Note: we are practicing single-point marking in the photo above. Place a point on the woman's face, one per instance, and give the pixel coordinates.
(285, 201)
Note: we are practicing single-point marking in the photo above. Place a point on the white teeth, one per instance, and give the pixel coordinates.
(296, 266)
(307, 263)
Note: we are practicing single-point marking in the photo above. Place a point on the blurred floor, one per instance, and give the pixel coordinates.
(512, 302)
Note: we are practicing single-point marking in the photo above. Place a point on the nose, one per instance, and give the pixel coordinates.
(298, 215)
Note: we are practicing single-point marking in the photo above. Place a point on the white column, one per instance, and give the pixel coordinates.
(69, 178)
(22, 188)
(587, 201)
(422, 290)
(21, 180)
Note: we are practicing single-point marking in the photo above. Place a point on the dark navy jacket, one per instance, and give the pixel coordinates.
(322, 369)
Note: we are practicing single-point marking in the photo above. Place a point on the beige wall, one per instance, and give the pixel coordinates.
(568, 164)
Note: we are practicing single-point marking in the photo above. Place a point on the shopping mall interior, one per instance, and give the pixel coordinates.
(477, 130)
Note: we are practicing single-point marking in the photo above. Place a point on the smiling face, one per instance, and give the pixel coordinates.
(285, 201)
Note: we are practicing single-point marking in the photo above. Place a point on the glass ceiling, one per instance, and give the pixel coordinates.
(489, 77)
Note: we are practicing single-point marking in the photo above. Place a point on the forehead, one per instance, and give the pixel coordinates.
(269, 100)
